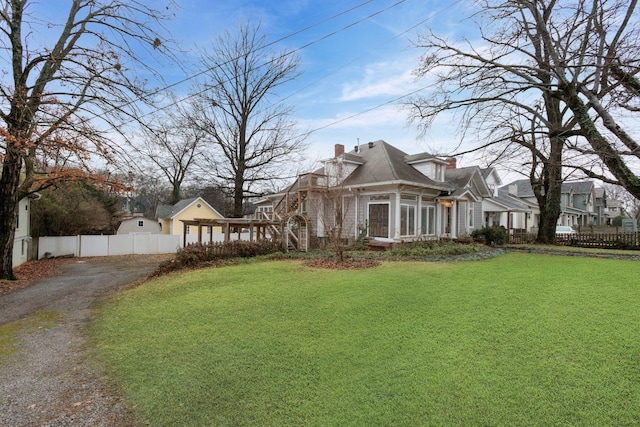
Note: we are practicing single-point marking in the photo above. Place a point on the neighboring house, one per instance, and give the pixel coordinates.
(170, 216)
(577, 201)
(613, 209)
(601, 206)
(22, 238)
(384, 194)
(505, 208)
(578, 204)
(139, 225)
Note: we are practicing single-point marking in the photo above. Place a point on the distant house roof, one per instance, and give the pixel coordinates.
(510, 202)
(578, 187)
(522, 188)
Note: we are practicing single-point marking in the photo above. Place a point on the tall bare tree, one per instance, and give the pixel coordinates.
(52, 87)
(173, 145)
(539, 77)
(237, 106)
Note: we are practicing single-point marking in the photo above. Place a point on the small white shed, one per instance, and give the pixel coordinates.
(139, 225)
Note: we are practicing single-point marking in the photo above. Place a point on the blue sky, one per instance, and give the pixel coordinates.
(358, 71)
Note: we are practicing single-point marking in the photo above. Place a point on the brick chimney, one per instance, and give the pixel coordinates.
(339, 150)
(451, 163)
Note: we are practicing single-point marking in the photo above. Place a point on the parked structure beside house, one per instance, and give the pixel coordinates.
(170, 216)
(138, 224)
(386, 195)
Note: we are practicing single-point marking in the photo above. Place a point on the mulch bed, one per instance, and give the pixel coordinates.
(346, 264)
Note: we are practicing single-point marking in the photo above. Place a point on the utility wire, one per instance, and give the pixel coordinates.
(311, 43)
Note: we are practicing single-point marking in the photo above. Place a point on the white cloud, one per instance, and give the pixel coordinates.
(381, 79)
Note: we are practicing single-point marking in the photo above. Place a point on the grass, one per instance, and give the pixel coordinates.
(518, 340)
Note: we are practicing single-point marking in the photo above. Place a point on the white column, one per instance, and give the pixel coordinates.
(453, 226)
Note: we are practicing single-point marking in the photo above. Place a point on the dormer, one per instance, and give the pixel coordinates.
(429, 165)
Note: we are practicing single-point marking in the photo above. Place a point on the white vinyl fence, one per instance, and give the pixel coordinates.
(119, 244)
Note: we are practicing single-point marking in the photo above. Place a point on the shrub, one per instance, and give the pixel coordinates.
(617, 221)
(494, 235)
(421, 249)
(196, 254)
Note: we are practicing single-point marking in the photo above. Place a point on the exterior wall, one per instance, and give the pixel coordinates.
(193, 212)
(132, 225)
(462, 213)
(165, 225)
(22, 239)
(478, 215)
(349, 223)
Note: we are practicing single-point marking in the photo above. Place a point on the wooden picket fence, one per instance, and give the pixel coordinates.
(584, 240)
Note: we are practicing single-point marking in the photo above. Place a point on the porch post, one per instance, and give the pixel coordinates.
(396, 223)
(184, 235)
(454, 219)
(419, 216)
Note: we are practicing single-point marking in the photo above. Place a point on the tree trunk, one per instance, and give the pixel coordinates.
(551, 180)
(175, 193)
(9, 182)
(238, 198)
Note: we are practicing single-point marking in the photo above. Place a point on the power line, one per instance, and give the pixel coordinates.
(206, 70)
(324, 37)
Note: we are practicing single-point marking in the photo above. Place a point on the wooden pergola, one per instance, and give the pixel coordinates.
(257, 227)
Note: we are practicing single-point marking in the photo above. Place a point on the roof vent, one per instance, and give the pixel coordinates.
(356, 148)
(371, 145)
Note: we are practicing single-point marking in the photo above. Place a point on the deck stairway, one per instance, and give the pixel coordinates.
(292, 211)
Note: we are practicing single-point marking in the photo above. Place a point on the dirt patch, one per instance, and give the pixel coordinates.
(47, 376)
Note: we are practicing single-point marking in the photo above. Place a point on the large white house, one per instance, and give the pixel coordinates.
(382, 193)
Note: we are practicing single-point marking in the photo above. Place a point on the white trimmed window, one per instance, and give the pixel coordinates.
(407, 220)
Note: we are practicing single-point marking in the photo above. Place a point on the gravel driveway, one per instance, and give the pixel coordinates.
(50, 380)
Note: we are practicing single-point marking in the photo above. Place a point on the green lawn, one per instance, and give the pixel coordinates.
(518, 340)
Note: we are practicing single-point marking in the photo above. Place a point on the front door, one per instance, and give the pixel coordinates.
(379, 220)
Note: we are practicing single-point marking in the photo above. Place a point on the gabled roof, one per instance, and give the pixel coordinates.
(509, 202)
(467, 179)
(523, 188)
(384, 163)
(171, 211)
(487, 172)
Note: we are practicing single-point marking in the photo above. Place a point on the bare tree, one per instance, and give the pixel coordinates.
(530, 81)
(334, 208)
(49, 91)
(173, 145)
(253, 137)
